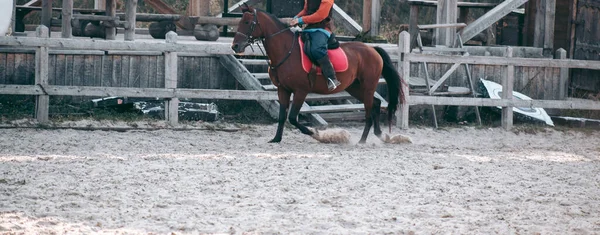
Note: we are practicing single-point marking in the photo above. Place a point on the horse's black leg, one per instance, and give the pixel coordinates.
(284, 102)
(296, 106)
(359, 93)
(376, 111)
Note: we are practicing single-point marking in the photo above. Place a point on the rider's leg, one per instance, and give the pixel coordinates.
(319, 51)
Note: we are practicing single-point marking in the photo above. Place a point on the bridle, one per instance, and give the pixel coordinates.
(252, 40)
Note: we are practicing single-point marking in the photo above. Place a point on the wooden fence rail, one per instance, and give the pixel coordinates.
(171, 49)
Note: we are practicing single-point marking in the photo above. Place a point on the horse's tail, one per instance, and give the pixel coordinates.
(393, 80)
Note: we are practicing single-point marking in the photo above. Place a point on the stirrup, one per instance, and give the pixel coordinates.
(332, 84)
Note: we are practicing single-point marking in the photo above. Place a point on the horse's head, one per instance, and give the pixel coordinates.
(248, 29)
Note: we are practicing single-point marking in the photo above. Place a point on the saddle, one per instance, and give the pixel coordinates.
(337, 56)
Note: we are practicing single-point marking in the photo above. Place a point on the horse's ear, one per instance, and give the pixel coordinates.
(246, 8)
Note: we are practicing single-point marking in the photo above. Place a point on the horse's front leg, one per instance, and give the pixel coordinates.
(296, 106)
(284, 102)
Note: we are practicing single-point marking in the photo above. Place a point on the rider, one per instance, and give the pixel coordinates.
(317, 16)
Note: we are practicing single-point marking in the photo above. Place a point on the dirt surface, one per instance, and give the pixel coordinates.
(461, 180)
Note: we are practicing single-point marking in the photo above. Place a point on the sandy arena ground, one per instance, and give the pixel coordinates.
(453, 181)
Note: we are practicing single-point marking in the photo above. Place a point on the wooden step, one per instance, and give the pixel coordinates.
(253, 61)
(261, 76)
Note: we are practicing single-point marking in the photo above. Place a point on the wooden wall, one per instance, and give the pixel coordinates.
(118, 70)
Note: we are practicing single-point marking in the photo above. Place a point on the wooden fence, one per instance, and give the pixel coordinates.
(165, 83)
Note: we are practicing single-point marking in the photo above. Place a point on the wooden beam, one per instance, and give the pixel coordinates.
(100, 4)
(366, 16)
(91, 91)
(520, 62)
(490, 18)
(42, 102)
(172, 104)
(346, 21)
(67, 15)
(375, 17)
(544, 24)
(111, 11)
(447, 12)
(402, 115)
(130, 14)
(459, 4)
(47, 13)
(413, 25)
(442, 26)
(563, 83)
(507, 92)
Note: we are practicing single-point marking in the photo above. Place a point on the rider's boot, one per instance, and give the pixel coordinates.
(328, 72)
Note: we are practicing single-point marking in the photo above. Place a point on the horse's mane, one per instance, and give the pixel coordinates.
(274, 18)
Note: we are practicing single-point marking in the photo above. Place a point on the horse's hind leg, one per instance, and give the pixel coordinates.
(375, 112)
(359, 93)
(297, 103)
(284, 102)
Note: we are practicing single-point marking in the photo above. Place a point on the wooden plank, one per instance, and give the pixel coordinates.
(10, 69)
(3, 68)
(107, 71)
(340, 17)
(570, 103)
(47, 13)
(443, 78)
(366, 15)
(459, 4)
(563, 81)
(402, 115)
(67, 15)
(490, 18)
(375, 17)
(78, 70)
(111, 11)
(42, 102)
(88, 70)
(171, 105)
(507, 92)
(446, 14)
(117, 71)
(130, 14)
(412, 25)
(97, 70)
(438, 26)
(130, 71)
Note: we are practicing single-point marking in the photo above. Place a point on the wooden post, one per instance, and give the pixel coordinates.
(172, 105)
(199, 8)
(446, 14)
(366, 19)
(13, 20)
(111, 10)
(47, 13)
(404, 68)
(100, 4)
(42, 102)
(544, 24)
(67, 15)
(130, 11)
(412, 25)
(507, 92)
(375, 15)
(563, 85)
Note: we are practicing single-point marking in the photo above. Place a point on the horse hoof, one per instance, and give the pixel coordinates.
(397, 139)
(274, 141)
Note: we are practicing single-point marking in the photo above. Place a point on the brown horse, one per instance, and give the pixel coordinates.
(366, 65)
